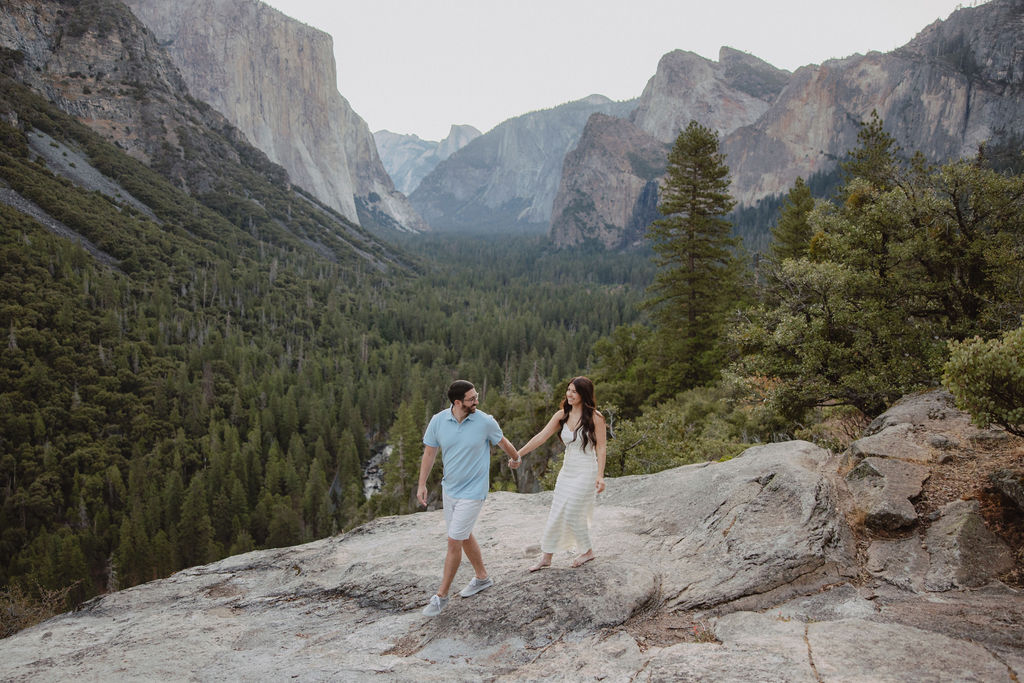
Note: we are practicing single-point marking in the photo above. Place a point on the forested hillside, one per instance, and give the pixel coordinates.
(212, 376)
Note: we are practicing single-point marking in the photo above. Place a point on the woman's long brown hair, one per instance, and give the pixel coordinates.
(585, 389)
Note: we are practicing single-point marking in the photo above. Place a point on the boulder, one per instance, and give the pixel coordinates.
(882, 490)
(895, 441)
(964, 553)
(901, 562)
(1010, 484)
(927, 409)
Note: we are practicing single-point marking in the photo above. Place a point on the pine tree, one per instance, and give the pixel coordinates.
(699, 278)
(791, 237)
(874, 159)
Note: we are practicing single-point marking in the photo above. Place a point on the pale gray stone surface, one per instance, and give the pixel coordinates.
(882, 490)
(756, 548)
(901, 562)
(899, 440)
(964, 553)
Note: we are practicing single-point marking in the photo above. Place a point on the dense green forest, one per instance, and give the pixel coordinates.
(216, 381)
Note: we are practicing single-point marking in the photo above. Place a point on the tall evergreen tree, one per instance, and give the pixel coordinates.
(699, 278)
(876, 158)
(791, 236)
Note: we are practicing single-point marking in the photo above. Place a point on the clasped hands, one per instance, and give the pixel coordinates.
(516, 462)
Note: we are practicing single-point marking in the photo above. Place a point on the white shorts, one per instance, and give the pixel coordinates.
(460, 515)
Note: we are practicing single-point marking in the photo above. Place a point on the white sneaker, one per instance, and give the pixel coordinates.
(435, 606)
(476, 585)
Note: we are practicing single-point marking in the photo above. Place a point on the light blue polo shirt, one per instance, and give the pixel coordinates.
(466, 451)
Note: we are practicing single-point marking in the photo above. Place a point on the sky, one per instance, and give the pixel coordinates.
(419, 66)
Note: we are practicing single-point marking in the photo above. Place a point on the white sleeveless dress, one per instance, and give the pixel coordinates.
(573, 505)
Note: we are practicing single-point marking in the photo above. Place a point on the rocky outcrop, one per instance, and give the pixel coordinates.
(408, 159)
(275, 79)
(955, 86)
(724, 95)
(102, 66)
(609, 185)
(507, 178)
(740, 570)
(950, 547)
(98, 63)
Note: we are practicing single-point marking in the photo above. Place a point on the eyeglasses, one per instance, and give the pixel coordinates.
(471, 399)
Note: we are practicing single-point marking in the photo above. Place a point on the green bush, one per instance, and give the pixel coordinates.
(699, 425)
(987, 379)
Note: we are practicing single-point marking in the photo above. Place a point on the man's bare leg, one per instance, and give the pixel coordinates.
(452, 560)
(475, 557)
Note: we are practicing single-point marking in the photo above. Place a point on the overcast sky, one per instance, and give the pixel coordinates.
(419, 66)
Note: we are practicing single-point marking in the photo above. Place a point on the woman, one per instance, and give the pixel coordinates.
(583, 432)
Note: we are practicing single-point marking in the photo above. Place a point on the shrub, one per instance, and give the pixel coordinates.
(19, 610)
(987, 379)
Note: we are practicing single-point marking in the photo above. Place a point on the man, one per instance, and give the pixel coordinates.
(465, 436)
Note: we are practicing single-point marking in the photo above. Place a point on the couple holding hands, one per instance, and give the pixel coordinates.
(465, 435)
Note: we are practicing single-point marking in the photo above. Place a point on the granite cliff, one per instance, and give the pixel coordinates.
(955, 86)
(724, 95)
(609, 186)
(506, 179)
(408, 158)
(785, 563)
(97, 62)
(275, 79)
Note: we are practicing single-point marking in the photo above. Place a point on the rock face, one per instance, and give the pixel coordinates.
(754, 556)
(407, 158)
(956, 85)
(275, 79)
(98, 63)
(608, 190)
(115, 78)
(723, 95)
(609, 185)
(950, 549)
(507, 178)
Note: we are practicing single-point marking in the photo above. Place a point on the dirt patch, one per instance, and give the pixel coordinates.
(662, 628)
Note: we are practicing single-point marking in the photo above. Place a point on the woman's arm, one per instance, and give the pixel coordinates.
(601, 433)
(543, 435)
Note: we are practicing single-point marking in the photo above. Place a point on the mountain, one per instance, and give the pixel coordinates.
(785, 563)
(957, 85)
(608, 190)
(275, 79)
(507, 178)
(724, 95)
(408, 158)
(625, 163)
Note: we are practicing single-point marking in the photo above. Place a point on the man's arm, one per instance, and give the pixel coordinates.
(429, 455)
(510, 451)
